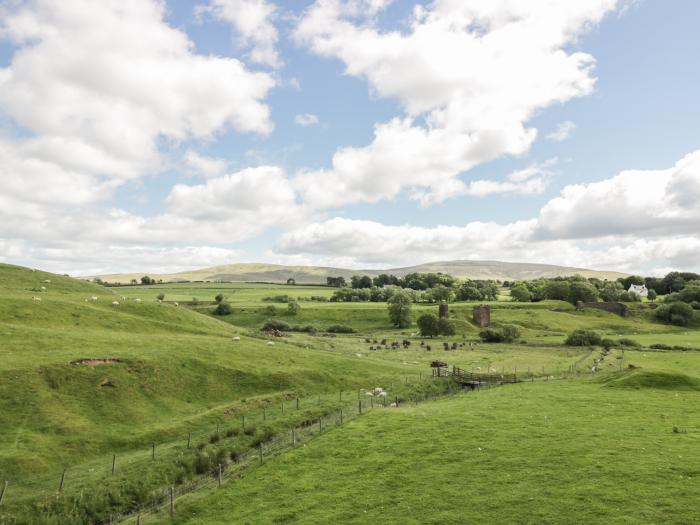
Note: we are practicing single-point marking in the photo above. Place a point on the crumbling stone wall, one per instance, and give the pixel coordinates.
(482, 315)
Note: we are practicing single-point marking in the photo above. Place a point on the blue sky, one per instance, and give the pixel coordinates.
(206, 163)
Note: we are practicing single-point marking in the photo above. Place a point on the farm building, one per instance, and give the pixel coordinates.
(639, 289)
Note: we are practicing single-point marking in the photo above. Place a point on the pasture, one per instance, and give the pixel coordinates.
(88, 373)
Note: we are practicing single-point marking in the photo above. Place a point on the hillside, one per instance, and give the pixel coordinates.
(259, 272)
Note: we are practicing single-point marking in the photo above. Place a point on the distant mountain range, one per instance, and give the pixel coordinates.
(259, 272)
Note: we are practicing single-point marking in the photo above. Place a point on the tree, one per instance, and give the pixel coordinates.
(557, 290)
(147, 280)
(468, 291)
(293, 308)
(680, 314)
(219, 298)
(337, 282)
(440, 294)
(445, 326)
(428, 325)
(400, 309)
(652, 295)
(222, 309)
(611, 291)
(582, 291)
(510, 333)
(583, 338)
(520, 293)
(489, 289)
(134, 281)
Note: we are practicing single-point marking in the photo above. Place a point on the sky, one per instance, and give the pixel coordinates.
(158, 136)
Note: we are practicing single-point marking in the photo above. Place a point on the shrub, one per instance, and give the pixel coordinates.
(608, 343)
(661, 346)
(202, 463)
(160, 296)
(625, 341)
(309, 329)
(583, 338)
(214, 438)
(680, 314)
(277, 298)
(219, 298)
(270, 310)
(489, 335)
(293, 308)
(222, 309)
(340, 329)
(274, 324)
(510, 333)
(446, 327)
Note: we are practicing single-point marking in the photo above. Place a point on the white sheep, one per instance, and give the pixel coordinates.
(115, 303)
(36, 299)
(47, 280)
(393, 405)
(93, 298)
(382, 394)
(43, 288)
(270, 343)
(124, 298)
(358, 355)
(176, 303)
(369, 394)
(138, 300)
(236, 338)
(378, 391)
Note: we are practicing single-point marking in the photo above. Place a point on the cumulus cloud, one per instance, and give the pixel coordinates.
(204, 166)
(469, 76)
(252, 22)
(563, 131)
(636, 221)
(97, 85)
(306, 119)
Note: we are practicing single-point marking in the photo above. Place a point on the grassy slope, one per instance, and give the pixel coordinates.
(179, 370)
(317, 274)
(553, 452)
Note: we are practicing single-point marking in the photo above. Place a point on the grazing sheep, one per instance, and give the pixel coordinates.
(47, 281)
(176, 303)
(369, 394)
(43, 288)
(393, 405)
(382, 394)
(358, 355)
(236, 338)
(138, 300)
(36, 299)
(115, 303)
(270, 343)
(124, 298)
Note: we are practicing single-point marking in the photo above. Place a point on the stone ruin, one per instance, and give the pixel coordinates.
(482, 315)
(443, 311)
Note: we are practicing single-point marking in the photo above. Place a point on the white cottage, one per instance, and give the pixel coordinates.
(639, 289)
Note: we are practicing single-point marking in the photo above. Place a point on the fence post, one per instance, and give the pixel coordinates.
(172, 500)
(371, 402)
(359, 406)
(341, 416)
(114, 463)
(397, 401)
(384, 401)
(294, 438)
(153, 451)
(138, 519)
(297, 403)
(63, 478)
(320, 425)
(220, 471)
(340, 396)
(243, 422)
(3, 491)
(189, 439)
(283, 407)
(217, 428)
(261, 453)
(264, 414)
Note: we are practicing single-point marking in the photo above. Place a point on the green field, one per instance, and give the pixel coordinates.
(83, 380)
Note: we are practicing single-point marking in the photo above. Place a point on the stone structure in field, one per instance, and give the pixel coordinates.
(482, 315)
(620, 309)
(443, 311)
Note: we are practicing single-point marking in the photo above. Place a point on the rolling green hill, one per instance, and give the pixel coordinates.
(259, 272)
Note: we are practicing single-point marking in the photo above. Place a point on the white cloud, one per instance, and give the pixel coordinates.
(638, 221)
(204, 166)
(98, 85)
(563, 131)
(253, 23)
(306, 119)
(469, 76)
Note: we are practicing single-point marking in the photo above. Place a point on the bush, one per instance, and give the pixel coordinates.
(428, 325)
(446, 327)
(340, 329)
(222, 309)
(510, 333)
(160, 296)
(625, 341)
(274, 324)
(219, 298)
(661, 346)
(608, 343)
(309, 329)
(680, 314)
(270, 310)
(293, 308)
(202, 463)
(277, 299)
(584, 338)
(489, 335)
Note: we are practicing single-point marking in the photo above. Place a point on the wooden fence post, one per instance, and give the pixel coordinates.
(114, 463)
(63, 478)
(153, 451)
(341, 416)
(189, 439)
(297, 403)
(294, 438)
(3, 491)
(172, 500)
(340, 396)
(138, 519)
(371, 402)
(282, 407)
(264, 414)
(359, 406)
(243, 422)
(320, 425)
(220, 472)
(397, 401)
(261, 454)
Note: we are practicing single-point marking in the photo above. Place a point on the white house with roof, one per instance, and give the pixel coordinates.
(639, 289)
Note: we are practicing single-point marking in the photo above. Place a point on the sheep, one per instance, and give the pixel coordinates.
(36, 299)
(358, 355)
(382, 394)
(369, 394)
(47, 281)
(270, 343)
(115, 303)
(378, 390)
(93, 298)
(43, 288)
(176, 303)
(124, 298)
(236, 338)
(138, 300)
(393, 405)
